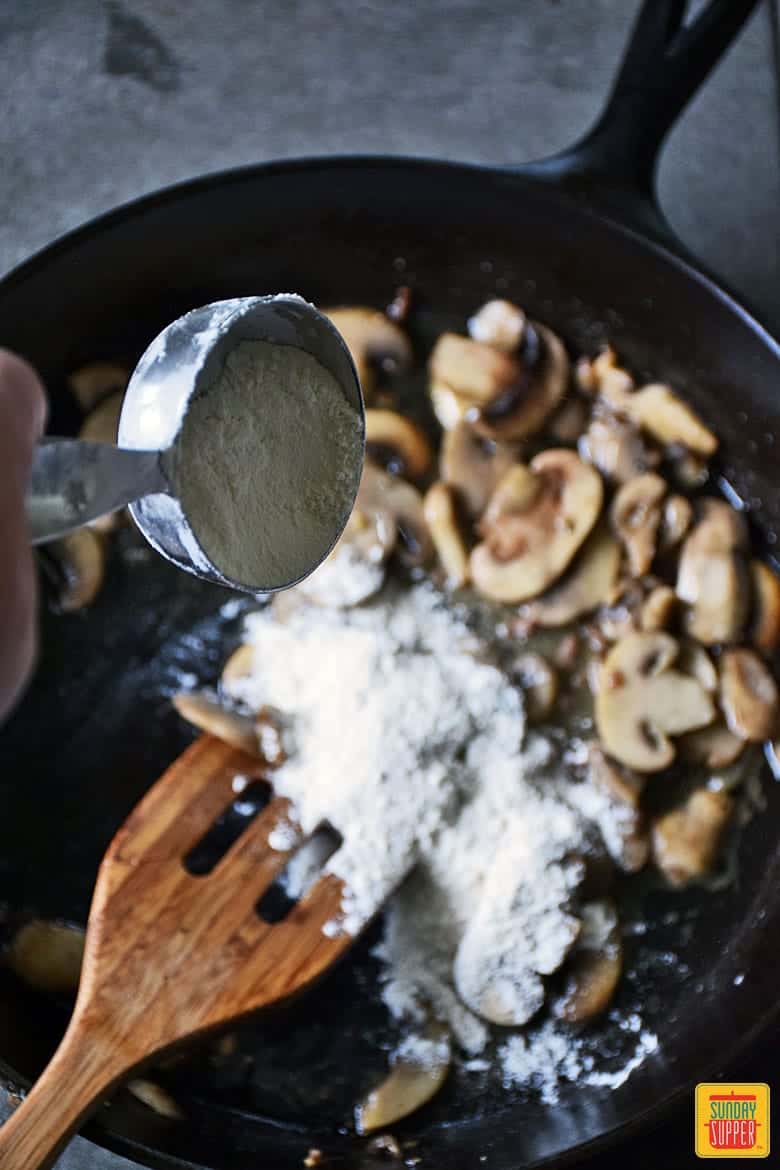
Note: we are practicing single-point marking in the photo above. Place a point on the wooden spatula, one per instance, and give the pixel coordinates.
(169, 955)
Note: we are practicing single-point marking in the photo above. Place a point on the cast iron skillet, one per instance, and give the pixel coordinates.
(579, 242)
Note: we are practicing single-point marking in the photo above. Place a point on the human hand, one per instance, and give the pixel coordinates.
(22, 414)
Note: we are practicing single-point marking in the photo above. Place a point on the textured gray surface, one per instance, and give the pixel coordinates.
(101, 101)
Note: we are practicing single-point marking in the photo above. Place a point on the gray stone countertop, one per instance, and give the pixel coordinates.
(104, 100)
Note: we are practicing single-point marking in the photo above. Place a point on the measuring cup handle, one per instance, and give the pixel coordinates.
(73, 482)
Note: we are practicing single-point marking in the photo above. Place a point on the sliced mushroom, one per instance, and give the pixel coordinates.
(418, 1071)
(686, 840)
(615, 446)
(694, 660)
(642, 701)
(441, 517)
(238, 665)
(208, 714)
(380, 492)
(397, 444)
(658, 609)
(586, 585)
(96, 381)
(539, 683)
(80, 560)
(711, 576)
(765, 633)
(449, 408)
(376, 344)
(509, 397)
(620, 818)
(620, 783)
(536, 521)
(102, 424)
(613, 382)
(48, 955)
(595, 965)
(155, 1097)
(499, 324)
(658, 410)
(675, 522)
(714, 746)
(569, 421)
(691, 471)
(621, 615)
(748, 695)
(635, 515)
(473, 465)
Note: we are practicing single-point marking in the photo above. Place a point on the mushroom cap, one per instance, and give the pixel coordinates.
(658, 410)
(473, 465)
(587, 584)
(642, 701)
(766, 607)
(537, 519)
(636, 515)
(374, 341)
(686, 840)
(505, 396)
(748, 695)
(711, 575)
(402, 441)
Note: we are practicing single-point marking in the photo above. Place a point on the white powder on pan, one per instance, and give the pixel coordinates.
(412, 746)
(270, 459)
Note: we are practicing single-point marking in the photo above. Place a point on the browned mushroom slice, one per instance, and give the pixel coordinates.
(397, 444)
(80, 559)
(473, 465)
(615, 446)
(714, 746)
(238, 665)
(208, 714)
(675, 522)
(380, 492)
(156, 1098)
(47, 955)
(621, 614)
(96, 381)
(694, 660)
(636, 514)
(450, 408)
(642, 701)
(595, 965)
(440, 514)
(418, 1071)
(765, 632)
(658, 410)
(613, 383)
(619, 817)
(748, 695)
(586, 585)
(569, 421)
(539, 683)
(499, 324)
(658, 609)
(686, 840)
(376, 344)
(102, 424)
(711, 577)
(537, 519)
(510, 396)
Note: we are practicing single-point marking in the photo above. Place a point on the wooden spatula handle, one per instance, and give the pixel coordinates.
(81, 1071)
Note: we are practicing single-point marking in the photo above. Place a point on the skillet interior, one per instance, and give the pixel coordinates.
(96, 728)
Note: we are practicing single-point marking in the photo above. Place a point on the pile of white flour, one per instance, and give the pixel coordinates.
(271, 459)
(413, 746)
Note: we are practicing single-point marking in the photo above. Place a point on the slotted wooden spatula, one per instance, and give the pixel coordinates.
(169, 955)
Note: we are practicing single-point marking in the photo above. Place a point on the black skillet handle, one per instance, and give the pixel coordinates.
(614, 165)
